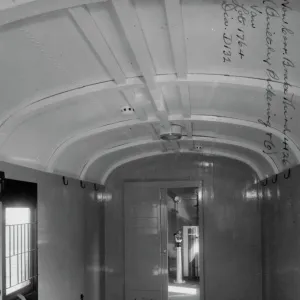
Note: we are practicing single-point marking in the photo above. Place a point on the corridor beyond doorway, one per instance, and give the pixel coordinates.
(183, 243)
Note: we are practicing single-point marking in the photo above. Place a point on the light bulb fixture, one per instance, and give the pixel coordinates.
(173, 134)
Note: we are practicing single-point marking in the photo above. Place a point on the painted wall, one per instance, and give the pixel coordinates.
(232, 238)
(281, 236)
(70, 236)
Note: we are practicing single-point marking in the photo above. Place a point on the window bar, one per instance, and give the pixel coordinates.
(32, 251)
(24, 251)
(13, 239)
(27, 259)
(21, 253)
(28, 252)
(35, 264)
(13, 247)
(18, 256)
(25, 254)
(9, 254)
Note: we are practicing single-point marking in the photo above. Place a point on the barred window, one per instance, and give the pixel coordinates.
(20, 239)
(19, 248)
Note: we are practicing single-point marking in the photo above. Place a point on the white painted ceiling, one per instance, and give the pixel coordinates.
(68, 67)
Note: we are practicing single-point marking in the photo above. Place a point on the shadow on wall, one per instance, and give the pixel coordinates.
(280, 206)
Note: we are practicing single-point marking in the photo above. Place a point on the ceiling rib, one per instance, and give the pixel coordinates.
(134, 34)
(100, 154)
(222, 120)
(88, 27)
(97, 42)
(176, 32)
(189, 129)
(38, 7)
(27, 108)
(130, 98)
(129, 95)
(251, 164)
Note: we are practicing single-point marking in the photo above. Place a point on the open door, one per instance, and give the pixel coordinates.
(145, 251)
(185, 243)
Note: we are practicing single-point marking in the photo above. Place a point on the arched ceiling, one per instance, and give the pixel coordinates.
(226, 71)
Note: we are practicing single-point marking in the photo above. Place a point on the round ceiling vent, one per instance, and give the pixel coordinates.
(127, 110)
(174, 133)
(198, 147)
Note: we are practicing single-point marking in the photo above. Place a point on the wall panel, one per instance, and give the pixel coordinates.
(70, 236)
(232, 239)
(281, 239)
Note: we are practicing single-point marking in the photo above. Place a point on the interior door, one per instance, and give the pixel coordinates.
(145, 243)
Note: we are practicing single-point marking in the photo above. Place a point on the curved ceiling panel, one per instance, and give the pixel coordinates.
(204, 20)
(107, 172)
(41, 67)
(75, 151)
(102, 164)
(84, 158)
(226, 72)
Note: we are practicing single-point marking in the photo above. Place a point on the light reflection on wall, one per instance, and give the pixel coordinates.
(267, 194)
(104, 197)
(200, 191)
(251, 195)
(204, 164)
(157, 270)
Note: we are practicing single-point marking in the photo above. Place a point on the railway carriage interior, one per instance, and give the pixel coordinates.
(149, 149)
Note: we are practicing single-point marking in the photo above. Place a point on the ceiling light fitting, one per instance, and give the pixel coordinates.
(173, 134)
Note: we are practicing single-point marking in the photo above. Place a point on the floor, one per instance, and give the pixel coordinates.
(190, 290)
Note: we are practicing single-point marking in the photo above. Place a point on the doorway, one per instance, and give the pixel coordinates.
(146, 259)
(184, 242)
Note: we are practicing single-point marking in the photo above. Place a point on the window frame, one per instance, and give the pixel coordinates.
(32, 287)
(20, 194)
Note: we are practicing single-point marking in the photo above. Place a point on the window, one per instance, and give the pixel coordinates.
(19, 229)
(20, 239)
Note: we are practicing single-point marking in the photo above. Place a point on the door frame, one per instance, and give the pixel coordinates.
(163, 185)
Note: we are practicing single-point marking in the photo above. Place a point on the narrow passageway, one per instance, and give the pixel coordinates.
(184, 225)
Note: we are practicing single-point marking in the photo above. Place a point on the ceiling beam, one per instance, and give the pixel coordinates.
(62, 147)
(28, 108)
(189, 128)
(175, 25)
(130, 98)
(134, 34)
(88, 28)
(235, 156)
(38, 7)
(176, 32)
(217, 141)
(185, 100)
